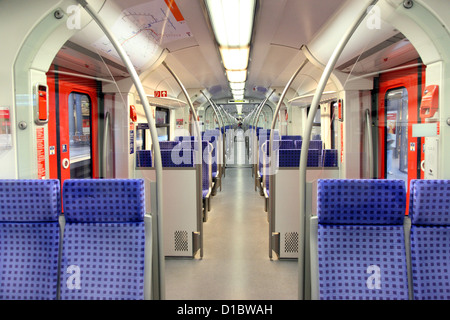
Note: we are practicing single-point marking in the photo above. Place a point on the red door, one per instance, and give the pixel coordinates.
(400, 154)
(73, 126)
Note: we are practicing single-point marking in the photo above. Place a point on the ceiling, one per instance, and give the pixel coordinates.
(281, 28)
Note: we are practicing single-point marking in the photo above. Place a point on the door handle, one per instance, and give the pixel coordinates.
(65, 163)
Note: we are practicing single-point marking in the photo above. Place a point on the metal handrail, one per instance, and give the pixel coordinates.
(154, 135)
(307, 137)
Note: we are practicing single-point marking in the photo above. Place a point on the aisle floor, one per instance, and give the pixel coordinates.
(236, 264)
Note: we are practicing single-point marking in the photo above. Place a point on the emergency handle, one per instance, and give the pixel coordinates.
(40, 104)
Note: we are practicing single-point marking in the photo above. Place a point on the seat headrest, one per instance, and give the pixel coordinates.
(105, 200)
(29, 200)
(365, 201)
(430, 202)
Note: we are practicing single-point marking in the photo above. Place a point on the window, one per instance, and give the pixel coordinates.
(80, 136)
(396, 134)
(162, 121)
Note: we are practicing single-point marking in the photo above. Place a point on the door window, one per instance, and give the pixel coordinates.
(80, 135)
(397, 134)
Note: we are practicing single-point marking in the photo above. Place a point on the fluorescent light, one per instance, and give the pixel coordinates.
(235, 59)
(234, 92)
(237, 76)
(232, 21)
(239, 108)
(238, 96)
(237, 85)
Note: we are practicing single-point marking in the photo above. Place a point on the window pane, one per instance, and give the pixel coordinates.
(397, 134)
(80, 135)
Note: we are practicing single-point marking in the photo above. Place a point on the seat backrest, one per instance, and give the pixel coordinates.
(104, 240)
(212, 136)
(29, 239)
(286, 144)
(316, 144)
(298, 144)
(168, 144)
(144, 158)
(295, 137)
(361, 245)
(329, 158)
(430, 239)
(288, 158)
(177, 157)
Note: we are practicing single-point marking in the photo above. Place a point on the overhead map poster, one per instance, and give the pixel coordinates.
(143, 28)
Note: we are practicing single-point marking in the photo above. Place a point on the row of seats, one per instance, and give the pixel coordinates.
(288, 156)
(98, 254)
(362, 240)
(181, 153)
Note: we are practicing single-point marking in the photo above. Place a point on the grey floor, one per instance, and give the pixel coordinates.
(236, 264)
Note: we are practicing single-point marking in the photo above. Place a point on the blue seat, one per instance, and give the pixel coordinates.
(286, 144)
(212, 137)
(104, 240)
(329, 158)
(144, 159)
(168, 144)
(29, 239)
(361, 245)
(430, 239)
(292, 138)
(177, 157)
(316, 144)
(291, 158)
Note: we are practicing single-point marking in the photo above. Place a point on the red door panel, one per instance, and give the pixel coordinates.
(413, 80)
(60, 88)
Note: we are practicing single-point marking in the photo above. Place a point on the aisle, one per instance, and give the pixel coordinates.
(236, 263)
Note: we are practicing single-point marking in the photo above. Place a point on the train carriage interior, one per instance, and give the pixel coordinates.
(152, 150)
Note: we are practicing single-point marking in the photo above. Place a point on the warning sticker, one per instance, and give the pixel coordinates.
(40, 138)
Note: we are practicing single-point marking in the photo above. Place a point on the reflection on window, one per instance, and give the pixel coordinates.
(397, 134)
(162, 123)
(80, 135)
(163, 133)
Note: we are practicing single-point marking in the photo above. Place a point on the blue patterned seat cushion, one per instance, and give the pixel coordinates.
(105, 200)
(144, 158)
(104, 239)
(29, 239)
(107, 260)
(430, 262)
(430, 202)
(430, 239)
(362, 262)
(177, 157)
(361, 245)
(29, 261)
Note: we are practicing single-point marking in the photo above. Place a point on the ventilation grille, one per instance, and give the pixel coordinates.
(291, 242)
(181, 241)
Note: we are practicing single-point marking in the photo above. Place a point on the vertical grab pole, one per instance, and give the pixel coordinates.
(213, 106)
(158, 163)
(256, 119)
(370, 142)
(274, 119)
(105, 144)
(198, 154)
(307, 137)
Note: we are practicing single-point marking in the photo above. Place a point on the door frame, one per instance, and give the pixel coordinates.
(60, 87)
(413, 79)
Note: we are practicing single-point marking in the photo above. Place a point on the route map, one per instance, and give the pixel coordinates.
(144, 28)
